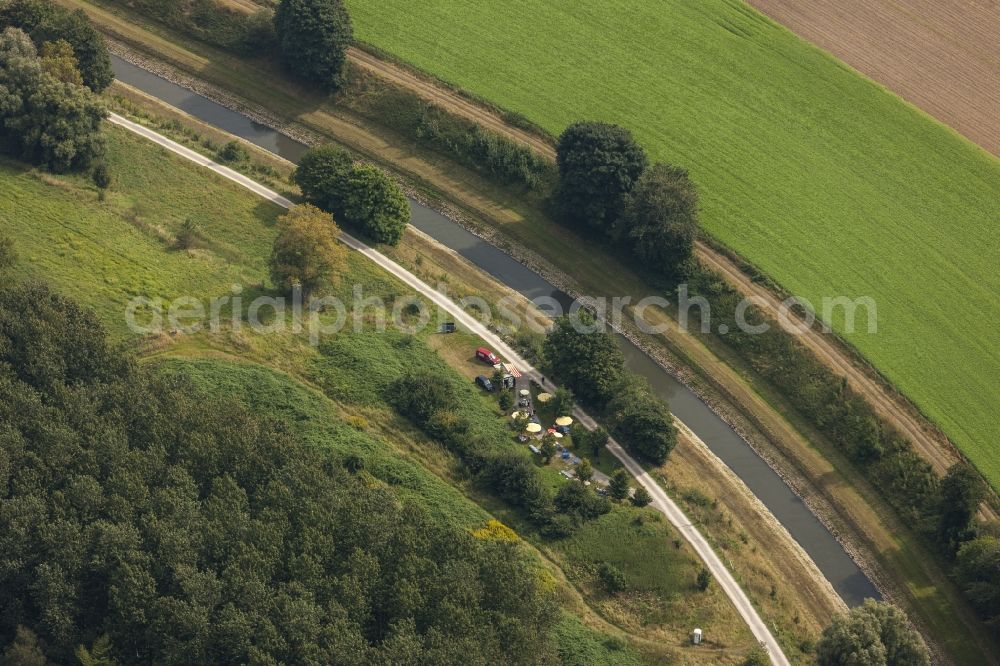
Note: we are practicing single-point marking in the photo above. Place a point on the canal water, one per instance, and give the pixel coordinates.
(845, 576)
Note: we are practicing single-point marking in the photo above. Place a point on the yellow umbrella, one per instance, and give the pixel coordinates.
(525, 393)
(564, 421)
(519, 415)
(544, 397)
(534, 427)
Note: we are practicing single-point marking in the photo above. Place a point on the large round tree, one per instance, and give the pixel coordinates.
(599, 163)
(873, 634)
(306, 252)
(313, 36)
(661, 219)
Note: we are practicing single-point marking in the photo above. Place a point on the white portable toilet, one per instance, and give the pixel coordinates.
(696, 637)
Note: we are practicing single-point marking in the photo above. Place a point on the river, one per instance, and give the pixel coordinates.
(831, 558)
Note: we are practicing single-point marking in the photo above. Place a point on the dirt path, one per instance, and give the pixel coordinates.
(449, 99)
(944, 57)
(928, 441)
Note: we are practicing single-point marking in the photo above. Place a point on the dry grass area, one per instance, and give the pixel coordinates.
(941, 56)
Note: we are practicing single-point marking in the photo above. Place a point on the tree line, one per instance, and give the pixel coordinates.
(143, 520)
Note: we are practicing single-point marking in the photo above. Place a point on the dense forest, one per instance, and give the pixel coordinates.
(146, 520)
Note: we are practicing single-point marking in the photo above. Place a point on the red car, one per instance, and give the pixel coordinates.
(484, 354)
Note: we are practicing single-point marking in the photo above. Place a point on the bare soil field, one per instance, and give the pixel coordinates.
(941, 55)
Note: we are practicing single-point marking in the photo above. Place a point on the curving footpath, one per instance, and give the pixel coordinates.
(661, 502)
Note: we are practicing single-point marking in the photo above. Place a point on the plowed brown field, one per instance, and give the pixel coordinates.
(941, 55)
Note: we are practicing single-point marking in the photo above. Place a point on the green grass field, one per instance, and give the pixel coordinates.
(825, 181)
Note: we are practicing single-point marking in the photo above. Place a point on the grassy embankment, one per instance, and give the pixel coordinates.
(103, 253)
(905, 566)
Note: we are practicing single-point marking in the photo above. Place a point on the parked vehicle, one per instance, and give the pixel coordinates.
(484, 383)
(485, 355)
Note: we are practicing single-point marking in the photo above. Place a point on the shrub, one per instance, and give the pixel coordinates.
(578, 501)
(704, 579)
(8, 254)
(188, 234)
(641, 497)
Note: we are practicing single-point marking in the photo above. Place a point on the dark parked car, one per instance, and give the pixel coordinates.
(484, 382)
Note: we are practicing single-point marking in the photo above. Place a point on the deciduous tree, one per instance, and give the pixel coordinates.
(660, 220)
(977, 570)
(306, 251)
(642, 421)
(376, 205)
(48, 22)
(961, 492)
(618, 487)
(322, 176)
(59, 61)
(43, 120)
